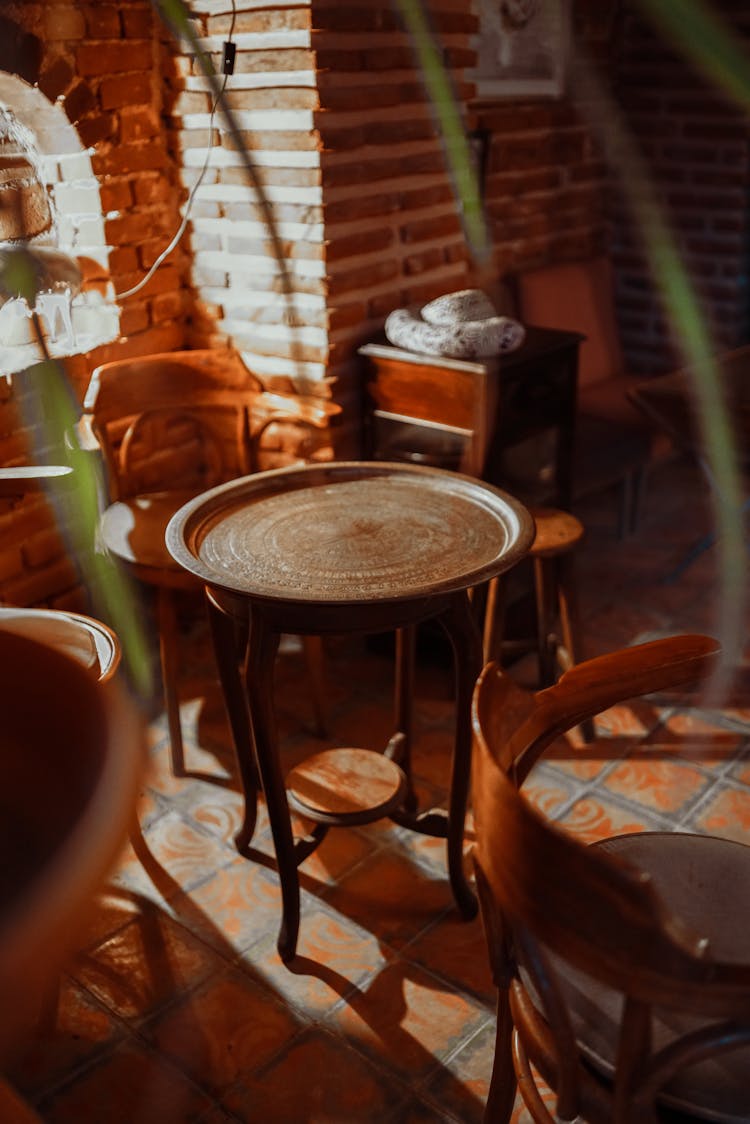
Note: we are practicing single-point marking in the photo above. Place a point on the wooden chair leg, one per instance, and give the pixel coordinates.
(570, 628)
(313, 648)
(168, 649)
(494, 620)
(545, 585)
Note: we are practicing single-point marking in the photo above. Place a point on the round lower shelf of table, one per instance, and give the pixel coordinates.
(346, 786)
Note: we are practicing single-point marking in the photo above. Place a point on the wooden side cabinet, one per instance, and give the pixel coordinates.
(467, 415)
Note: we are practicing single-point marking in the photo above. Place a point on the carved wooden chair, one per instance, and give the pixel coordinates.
(623, 968)
(170, 426)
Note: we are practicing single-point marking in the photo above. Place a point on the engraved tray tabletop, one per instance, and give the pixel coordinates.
(349, 532)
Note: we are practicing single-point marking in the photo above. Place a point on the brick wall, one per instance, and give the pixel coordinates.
(695, 144)
(329, 98)
(117, 201)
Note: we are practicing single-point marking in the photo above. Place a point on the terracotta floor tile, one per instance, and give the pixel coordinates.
(172, 856)
(144, 966)
(726, 813)
(228, 1028)
(592, 818)
(391, 897)
(319, 1078)
(408, 1019)
(386, 1013)
(128, 1087)
(547, 791)
(238, 906)
(72, 1029)
(456, 950)
(663, 786)
(334, 958)
(461, 1084)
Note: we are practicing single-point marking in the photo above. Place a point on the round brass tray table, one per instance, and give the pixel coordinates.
(347, 547)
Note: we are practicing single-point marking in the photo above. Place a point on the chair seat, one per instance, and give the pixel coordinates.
(706, 882)
(134, 531)
(88, 641)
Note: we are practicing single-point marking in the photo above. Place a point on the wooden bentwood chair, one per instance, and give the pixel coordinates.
(170, 426)
(622, 968)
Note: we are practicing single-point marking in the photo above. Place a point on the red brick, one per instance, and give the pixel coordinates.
(133, 318)
(103, 21)
(116, 195)
(422, 230)
(137, 23)
(130, 158)
(34, 588)
(11, 563)
(113, 58)
(167, 306)
(285, 19)
(63, 22)
(122, 259)
(42, 548)
(91, 130)
(125, 89)
(138, 123)
(151, 189)
(361, 278)
(420, 263)
(363, 242)
(55, 79)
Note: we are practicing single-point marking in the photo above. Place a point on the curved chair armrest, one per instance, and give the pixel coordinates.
(269, 406)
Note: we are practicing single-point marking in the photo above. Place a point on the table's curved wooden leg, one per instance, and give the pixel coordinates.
(227, 654)
(260, 661)
(461, 626)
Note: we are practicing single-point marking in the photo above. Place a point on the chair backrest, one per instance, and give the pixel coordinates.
(176, 420)
(545, 896)
(579, 297)
(71, 751)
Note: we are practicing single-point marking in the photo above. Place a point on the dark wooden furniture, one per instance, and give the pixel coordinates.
(345, 548)
(71, 753)
(557, 535)
(614, 443)
(169, 426)
(469, 416)
(623, 968)
(672, 403)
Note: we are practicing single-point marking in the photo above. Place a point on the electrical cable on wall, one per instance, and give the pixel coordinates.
(228, 57)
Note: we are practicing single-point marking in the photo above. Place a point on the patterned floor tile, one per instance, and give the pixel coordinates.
(180, 993)
(726, 813)
(228, 1028)
(408, 1019)
(334, 958)
(592, 818)
(238, 906)
(319, 1078)
(662, 786)
(130, 1086)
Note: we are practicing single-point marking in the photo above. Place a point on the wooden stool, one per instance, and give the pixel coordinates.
(557, 533)
(87, 640)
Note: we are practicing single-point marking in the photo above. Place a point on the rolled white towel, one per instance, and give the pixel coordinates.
(467, 339)
(466, 304)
